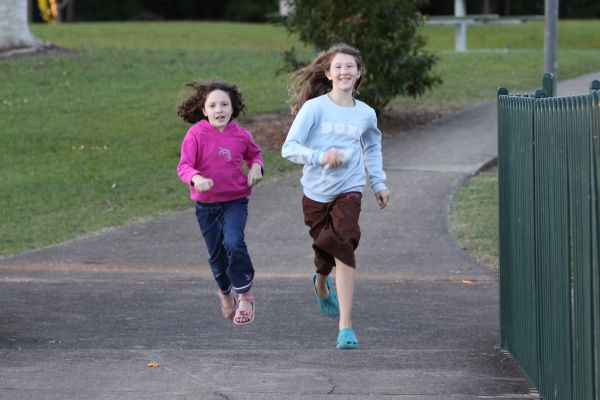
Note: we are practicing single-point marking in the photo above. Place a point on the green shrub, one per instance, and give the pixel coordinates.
(388, 34)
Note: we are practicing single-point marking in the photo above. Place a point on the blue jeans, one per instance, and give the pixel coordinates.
(222, 226)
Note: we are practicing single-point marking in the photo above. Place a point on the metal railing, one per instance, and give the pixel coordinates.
(548, 173)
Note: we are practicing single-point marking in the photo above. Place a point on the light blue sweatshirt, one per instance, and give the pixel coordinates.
(322, 124)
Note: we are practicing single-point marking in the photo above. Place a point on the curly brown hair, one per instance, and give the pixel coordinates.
(310, 82)
(191, 108)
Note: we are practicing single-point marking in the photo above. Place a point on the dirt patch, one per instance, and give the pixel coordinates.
(269, 130)
(39, 51)
(399, 120)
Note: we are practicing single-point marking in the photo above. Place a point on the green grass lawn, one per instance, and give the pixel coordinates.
(572, 34)
(474, 209)
(474, 218)
(91, 139)
(505, 55)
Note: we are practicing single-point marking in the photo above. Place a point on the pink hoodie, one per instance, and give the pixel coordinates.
(218, 156)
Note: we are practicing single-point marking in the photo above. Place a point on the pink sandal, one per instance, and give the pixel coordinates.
(243, 313)
(228, 313)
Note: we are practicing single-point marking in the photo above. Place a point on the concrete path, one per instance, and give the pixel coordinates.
(82, 320)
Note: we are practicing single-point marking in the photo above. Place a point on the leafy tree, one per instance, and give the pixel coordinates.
(387, 32)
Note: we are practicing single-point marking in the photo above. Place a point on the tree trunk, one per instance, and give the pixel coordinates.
(506, 7)
(70, 11)
(487, 7)
(15, 36)
(65, 11)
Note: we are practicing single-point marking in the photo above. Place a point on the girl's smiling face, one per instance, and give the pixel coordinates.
(218, 109)
(343, 72)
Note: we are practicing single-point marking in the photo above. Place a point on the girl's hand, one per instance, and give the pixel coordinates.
(383, 198)
(333, 158)
(254, 174)
(201, 183)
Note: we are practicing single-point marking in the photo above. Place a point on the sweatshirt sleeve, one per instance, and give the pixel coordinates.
(294, 148)
(371, 143)
(253, 154)
(189, 150)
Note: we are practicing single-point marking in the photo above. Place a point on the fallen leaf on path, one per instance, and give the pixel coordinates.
(153, 364)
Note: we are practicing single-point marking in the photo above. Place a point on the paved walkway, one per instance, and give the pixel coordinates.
(81, 320)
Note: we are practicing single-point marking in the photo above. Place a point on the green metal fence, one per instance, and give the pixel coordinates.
(549, 170)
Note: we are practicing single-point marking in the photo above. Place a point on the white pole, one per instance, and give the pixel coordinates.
(460, 36)
(286, 7)
(551, 37)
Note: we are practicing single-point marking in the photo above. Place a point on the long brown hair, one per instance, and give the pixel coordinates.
(191, 108)
(310, 81)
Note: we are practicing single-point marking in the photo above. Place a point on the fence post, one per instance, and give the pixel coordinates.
(595, 214)
(549, 85)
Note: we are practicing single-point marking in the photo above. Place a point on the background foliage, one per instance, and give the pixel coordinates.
(259, 10)
(123, 10)
(388, 34)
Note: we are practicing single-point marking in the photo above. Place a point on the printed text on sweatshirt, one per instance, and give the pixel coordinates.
(322, 124)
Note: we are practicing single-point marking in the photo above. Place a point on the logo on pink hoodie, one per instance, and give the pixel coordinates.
(223, 152)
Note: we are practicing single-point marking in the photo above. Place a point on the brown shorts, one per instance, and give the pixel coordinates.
(334, 229)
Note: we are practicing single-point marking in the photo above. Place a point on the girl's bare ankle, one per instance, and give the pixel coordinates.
(321, 286)
(245, 296)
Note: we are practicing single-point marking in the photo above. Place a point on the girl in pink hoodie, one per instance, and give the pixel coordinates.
(212, 154)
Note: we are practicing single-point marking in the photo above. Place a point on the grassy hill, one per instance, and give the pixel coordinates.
(90, 139)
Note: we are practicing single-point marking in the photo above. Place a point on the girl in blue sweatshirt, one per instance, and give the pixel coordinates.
(336, 138)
